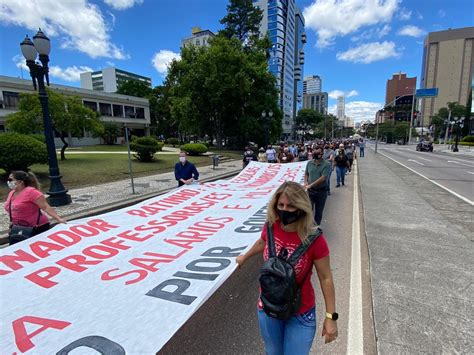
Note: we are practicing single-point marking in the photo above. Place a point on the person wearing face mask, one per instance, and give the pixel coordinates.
(285, 156)
(328, 155)
(341, 163)
(315, 182)
(25, 203)
(249, 156)
(290, 216)
(184, 171)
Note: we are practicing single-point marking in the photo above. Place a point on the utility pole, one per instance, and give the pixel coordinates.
(447, 126)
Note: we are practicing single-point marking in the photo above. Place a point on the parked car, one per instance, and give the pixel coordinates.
(424, 146)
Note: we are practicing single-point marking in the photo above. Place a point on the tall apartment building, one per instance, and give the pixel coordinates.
(341, 107)
(448, 64)
(284, 23)
(300, 40)
(317, 102)
(109, 79)
(198, 38)
(312, 84)
(399, 85)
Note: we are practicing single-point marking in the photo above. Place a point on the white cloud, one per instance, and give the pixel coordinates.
(368, 53)
(441, 13)
(20, 62)
(404, 14)
(352, 93)
(122, 4)
(412, 31)
(359, 110)
(377, 32)
(336, 93)
(78, 24)
(333, 18)
(162, 59)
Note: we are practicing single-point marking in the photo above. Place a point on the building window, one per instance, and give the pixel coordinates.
(91, 104)
(139, 112)
(130, 111)
(11, 99)
(117, 110)
(105, 109)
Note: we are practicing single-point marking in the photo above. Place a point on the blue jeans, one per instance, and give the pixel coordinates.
(361, 154)
(293, 336)
(341, 173)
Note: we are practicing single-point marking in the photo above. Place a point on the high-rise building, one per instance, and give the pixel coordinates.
(448, 64)
(312, 84)
(300, 40)
(198, 38)
(341, 107)
(109, 79)
(399, 86)
(317, 102)
(284, 23)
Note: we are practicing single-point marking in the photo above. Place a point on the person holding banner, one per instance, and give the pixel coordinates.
(25, 202)
(290, 216)
(184, 171)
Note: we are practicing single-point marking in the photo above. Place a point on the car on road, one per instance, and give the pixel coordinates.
(424, 146)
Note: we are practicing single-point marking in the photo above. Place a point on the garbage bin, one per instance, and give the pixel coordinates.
(215, 161)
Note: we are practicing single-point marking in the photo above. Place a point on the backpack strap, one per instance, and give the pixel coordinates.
(301, 249)
(270, 242)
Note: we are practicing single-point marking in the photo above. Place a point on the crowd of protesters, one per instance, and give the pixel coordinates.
(323, 158)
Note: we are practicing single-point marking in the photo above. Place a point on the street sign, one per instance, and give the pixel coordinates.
(432, 92)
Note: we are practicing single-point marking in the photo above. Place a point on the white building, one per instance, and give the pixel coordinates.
(341, 107)
(312, 84)
(130, 111)
(198, 38)
(109, 79)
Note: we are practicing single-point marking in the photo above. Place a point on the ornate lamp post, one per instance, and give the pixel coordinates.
(41, 45)
(267, 124)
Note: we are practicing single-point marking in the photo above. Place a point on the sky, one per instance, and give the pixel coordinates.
(353, 45)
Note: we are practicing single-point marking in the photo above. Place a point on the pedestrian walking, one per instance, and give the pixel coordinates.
(249, 156)
(184, 171)
(285, 156)
(290, 220)
(361, 147)
(24, 205)
(262, 156)
(328, 155)
(350, 154)
(341, 163)
(315, 178)
(271, 154)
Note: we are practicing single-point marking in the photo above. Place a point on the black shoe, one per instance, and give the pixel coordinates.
(338, 185)
(329, 193)
(342, 184)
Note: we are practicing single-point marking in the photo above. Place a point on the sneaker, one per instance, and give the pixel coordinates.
(343, 184)
(338, 185)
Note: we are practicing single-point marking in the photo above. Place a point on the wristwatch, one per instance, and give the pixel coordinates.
(333, 316)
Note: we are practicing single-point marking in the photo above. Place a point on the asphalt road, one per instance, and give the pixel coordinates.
(227, 322)
(453, 173)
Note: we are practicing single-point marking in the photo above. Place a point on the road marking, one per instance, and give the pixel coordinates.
(434, 182)
(470, 172)
(456, 162)
(416, 162)
(423, 159)
(355, 333)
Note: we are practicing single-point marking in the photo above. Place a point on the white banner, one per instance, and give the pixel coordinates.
(126, 281)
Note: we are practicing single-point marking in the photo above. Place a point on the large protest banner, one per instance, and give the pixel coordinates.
(124, 282)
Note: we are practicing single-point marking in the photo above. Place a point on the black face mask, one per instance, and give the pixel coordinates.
(317, 156)
(287, 217)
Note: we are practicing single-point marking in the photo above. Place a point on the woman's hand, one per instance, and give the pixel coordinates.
(240, 260)
(61, 220)
(329, 330)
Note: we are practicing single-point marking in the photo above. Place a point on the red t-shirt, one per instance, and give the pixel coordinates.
(304, 267)
(24, 209)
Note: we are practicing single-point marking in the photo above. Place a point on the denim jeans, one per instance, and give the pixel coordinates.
(318, 201)
(293, 336)
(361, 154)
(341, 173)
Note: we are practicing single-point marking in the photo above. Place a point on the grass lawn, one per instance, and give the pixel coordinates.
(80, 170)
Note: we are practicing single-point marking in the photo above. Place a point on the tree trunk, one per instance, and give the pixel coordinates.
(65, 145)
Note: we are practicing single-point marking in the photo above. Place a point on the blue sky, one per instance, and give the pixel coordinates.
(354, 45)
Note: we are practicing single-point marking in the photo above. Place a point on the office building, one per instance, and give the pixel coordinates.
(312, 84)
(317, 102)
(198, 38)
(341, 108)
(284, 23)
(134, 112)
(110, 79)
(448, 64)
(399, 86)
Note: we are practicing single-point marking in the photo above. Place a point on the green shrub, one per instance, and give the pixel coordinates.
(205, 143)
(19, 151)
(39, 137)
(468, 144)
(145, 148)
(173, 141)
(468, 139)
(194, 148)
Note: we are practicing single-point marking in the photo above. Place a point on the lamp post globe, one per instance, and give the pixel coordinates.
(57, 193)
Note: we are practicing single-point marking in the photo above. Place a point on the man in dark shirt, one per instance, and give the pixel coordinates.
(315, 176)
(184, 171)
(341, 162)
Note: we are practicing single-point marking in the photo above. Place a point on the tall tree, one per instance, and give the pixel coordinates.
(242, 21)
(68, 117)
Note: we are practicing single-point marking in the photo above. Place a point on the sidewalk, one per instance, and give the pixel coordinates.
(420, 253)
(102, 198)
(446, 149)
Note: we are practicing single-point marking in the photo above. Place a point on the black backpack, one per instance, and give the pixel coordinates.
(280, 293)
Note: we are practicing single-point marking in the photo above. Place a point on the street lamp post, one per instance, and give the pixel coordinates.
(458, 124)
(267, 125)
(41, 45)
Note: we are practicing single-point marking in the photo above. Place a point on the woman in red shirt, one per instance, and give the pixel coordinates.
(290, 215)
(25, 202)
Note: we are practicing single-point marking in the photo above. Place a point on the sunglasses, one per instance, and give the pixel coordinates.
(9, 179)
